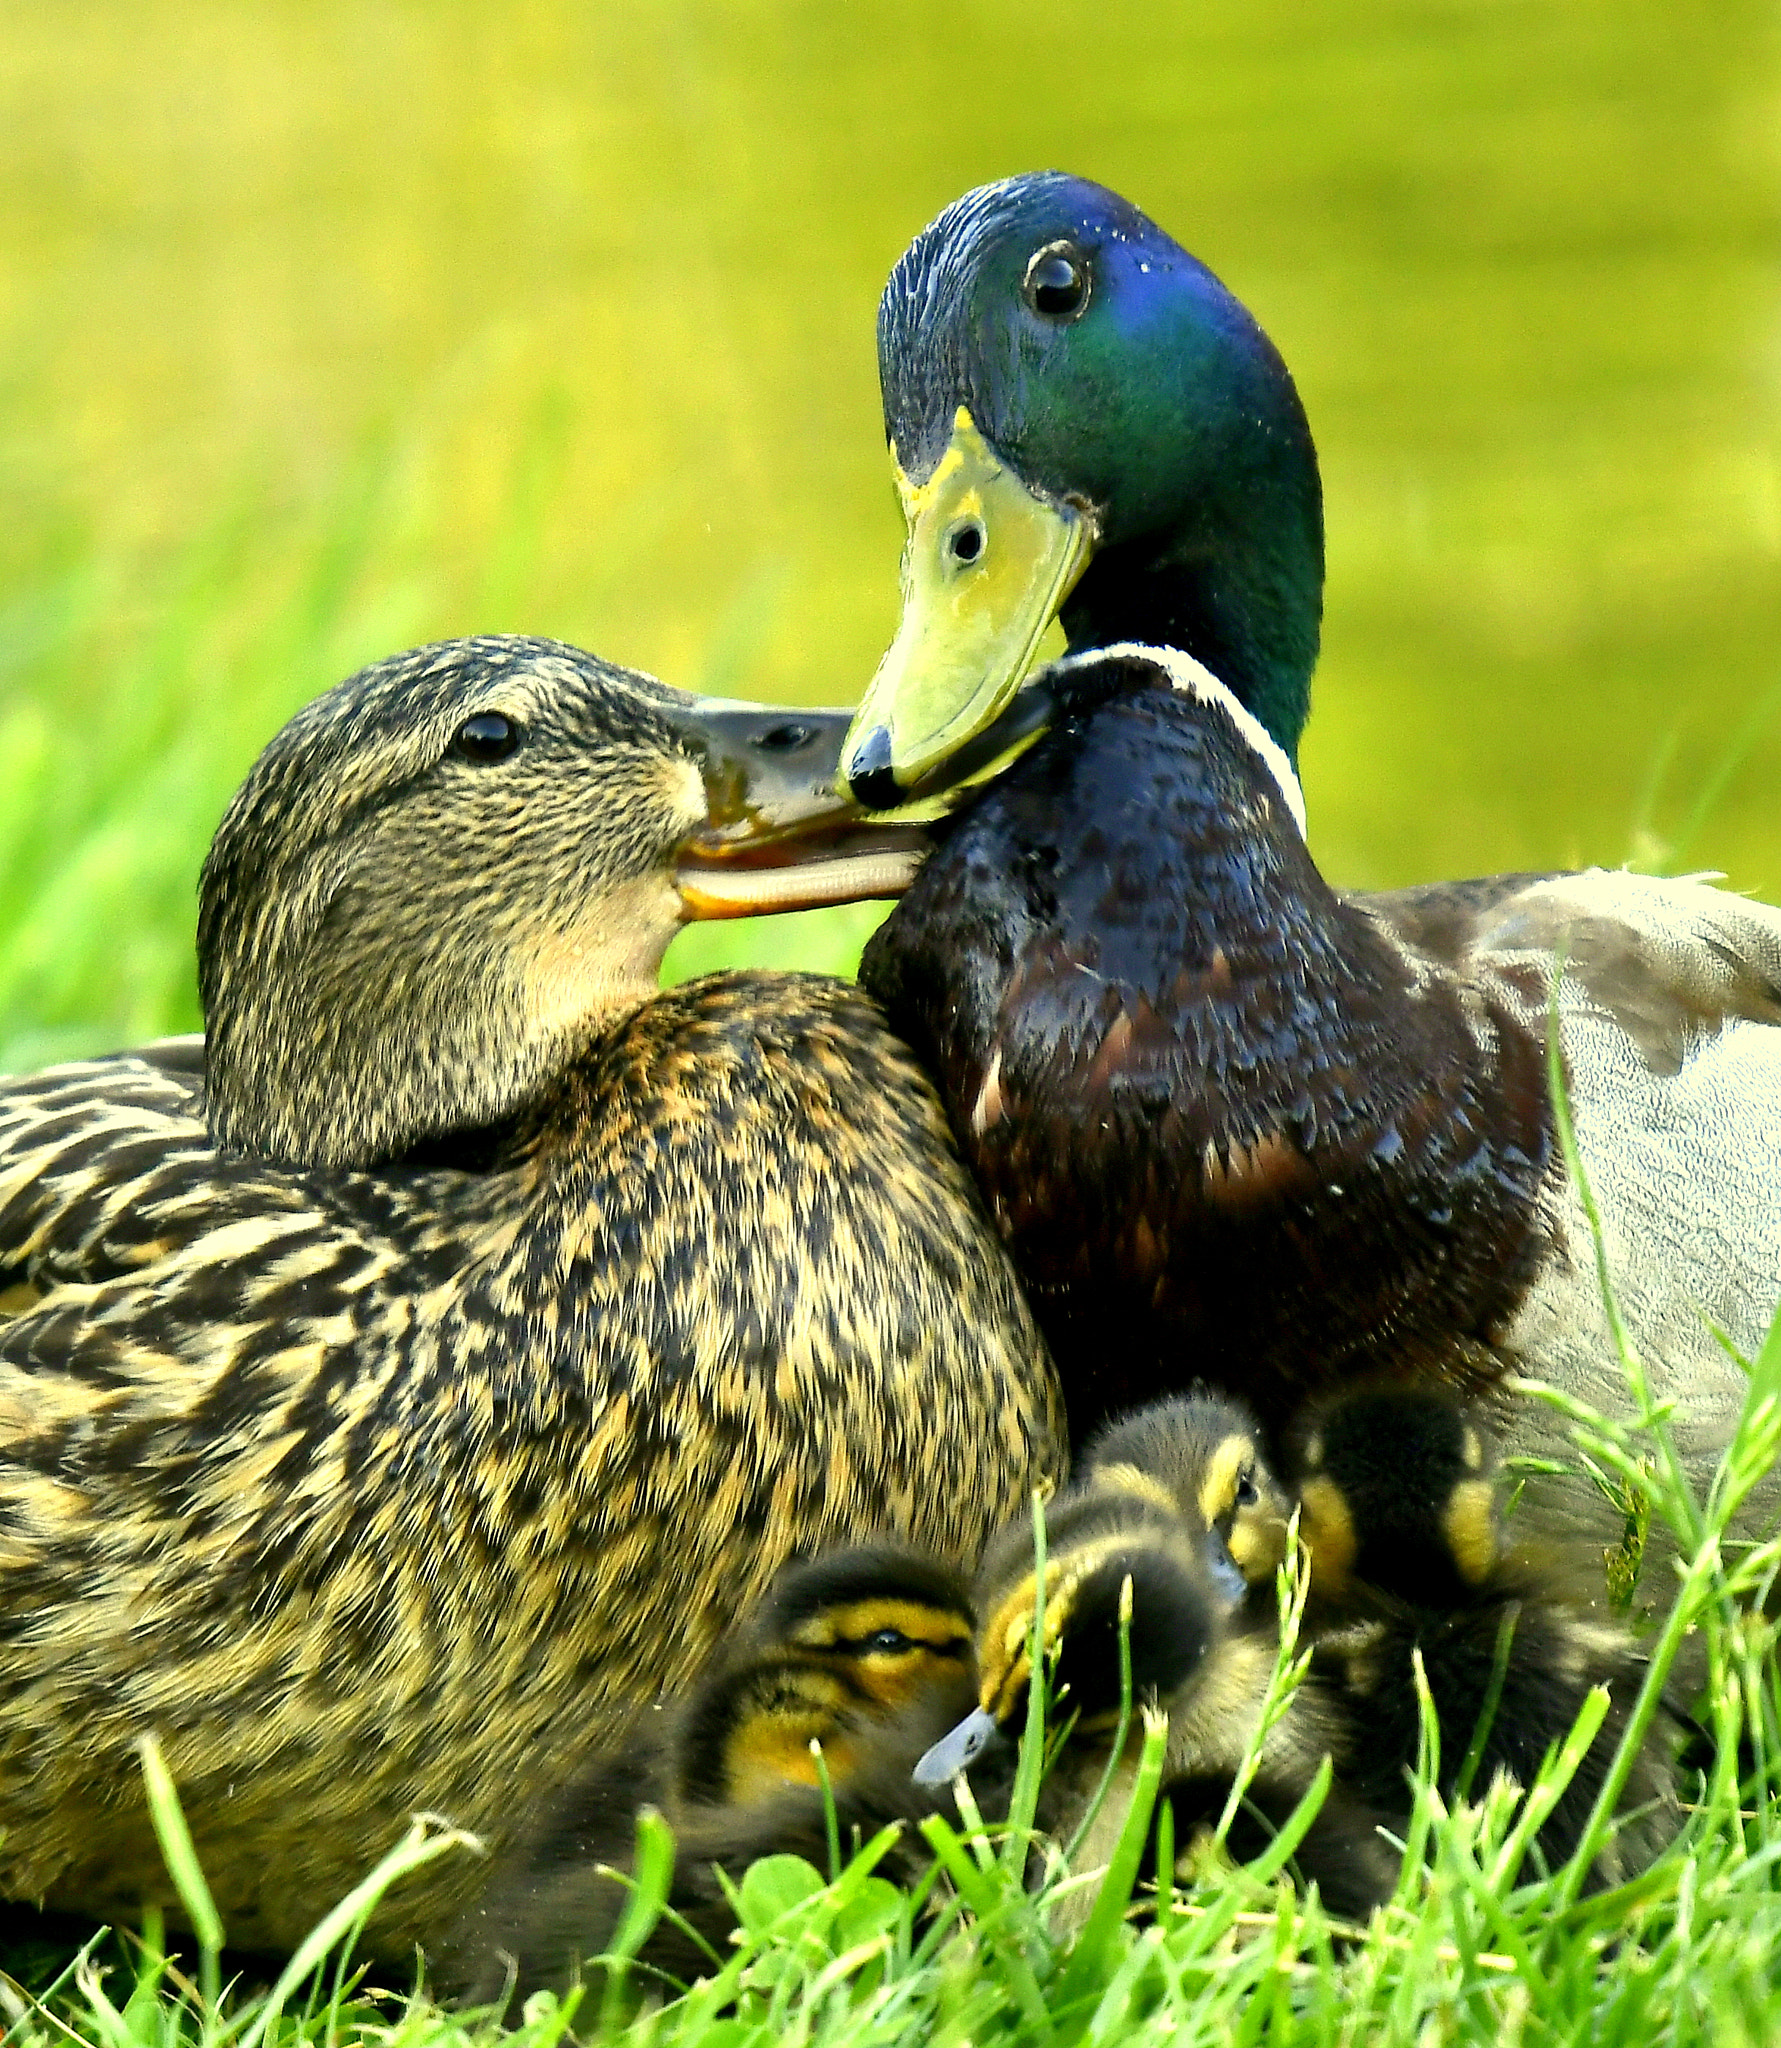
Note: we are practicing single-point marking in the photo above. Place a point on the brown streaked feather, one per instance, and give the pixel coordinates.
(378, 1492)
(1444, 919)
(1670, 961)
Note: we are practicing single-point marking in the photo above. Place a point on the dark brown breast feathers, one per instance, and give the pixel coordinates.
(1230, 1126)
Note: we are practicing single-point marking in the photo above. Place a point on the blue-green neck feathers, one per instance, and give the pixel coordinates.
(1163, 405)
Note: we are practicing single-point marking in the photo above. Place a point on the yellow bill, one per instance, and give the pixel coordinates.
(986, 568)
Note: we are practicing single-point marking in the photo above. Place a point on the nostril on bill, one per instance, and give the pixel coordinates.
(967, 542)
(956, 1750)
(785, 739)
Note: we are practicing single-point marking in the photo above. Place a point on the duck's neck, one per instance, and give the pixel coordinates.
(1150, 873)
(313, 1061)
(1212, 1105)
(1237, 583)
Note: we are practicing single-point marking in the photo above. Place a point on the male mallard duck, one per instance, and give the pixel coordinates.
(1177, 1504)
(409, 1380)
(1289, 1134)
(1400, 1510)
(867, 1652)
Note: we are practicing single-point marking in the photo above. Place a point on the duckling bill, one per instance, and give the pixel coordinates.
(406, 1383)
(1170, 1532)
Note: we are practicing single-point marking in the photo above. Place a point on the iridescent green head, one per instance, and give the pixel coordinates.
(1086, 425)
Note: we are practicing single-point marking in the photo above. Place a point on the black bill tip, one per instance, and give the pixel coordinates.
(869, 774)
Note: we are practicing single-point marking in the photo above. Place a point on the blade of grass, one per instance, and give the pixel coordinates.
(1023, 1803)
(652, 1873)
(416, 1849)
(181, 1859)
(1088, 1957)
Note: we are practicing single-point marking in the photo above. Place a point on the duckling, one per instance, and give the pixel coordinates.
(1296, 1136)
(843, 1647)
(1177, 1502)
(1398, 1490)
(865, 1652)
(1400, 1509)
(414, 1377)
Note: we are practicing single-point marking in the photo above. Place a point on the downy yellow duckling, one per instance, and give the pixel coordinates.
(406, 1382)
(1401, 1511)
(1178, 1503)
(865, 1653)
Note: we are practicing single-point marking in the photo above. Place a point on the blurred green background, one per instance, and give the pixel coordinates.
(327, 327)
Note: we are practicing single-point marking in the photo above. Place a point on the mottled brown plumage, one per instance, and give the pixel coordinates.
(526, 1322)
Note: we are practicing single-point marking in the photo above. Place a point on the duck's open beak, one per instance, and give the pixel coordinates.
(779, 835)
(987, 566)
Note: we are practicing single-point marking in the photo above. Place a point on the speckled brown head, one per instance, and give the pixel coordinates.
(1398, 1492)
(450, 872)
(843, 1650)
(1175, 1502)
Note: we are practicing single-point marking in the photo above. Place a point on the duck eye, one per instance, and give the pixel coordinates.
(887, 1642)
(1056, 283)
(1247, 1491)
(965, 541)
(785, 739)
(487, 737)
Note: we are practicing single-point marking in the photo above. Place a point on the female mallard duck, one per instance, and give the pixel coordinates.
(405, 1383)
(1400, 1510)
(1176, 1504)
(1288, 1134)
(865, 1652)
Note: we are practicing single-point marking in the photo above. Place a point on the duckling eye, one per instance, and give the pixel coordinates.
(487, 737)
(1056, 283)
(1247, 1491)
(887, 1642)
